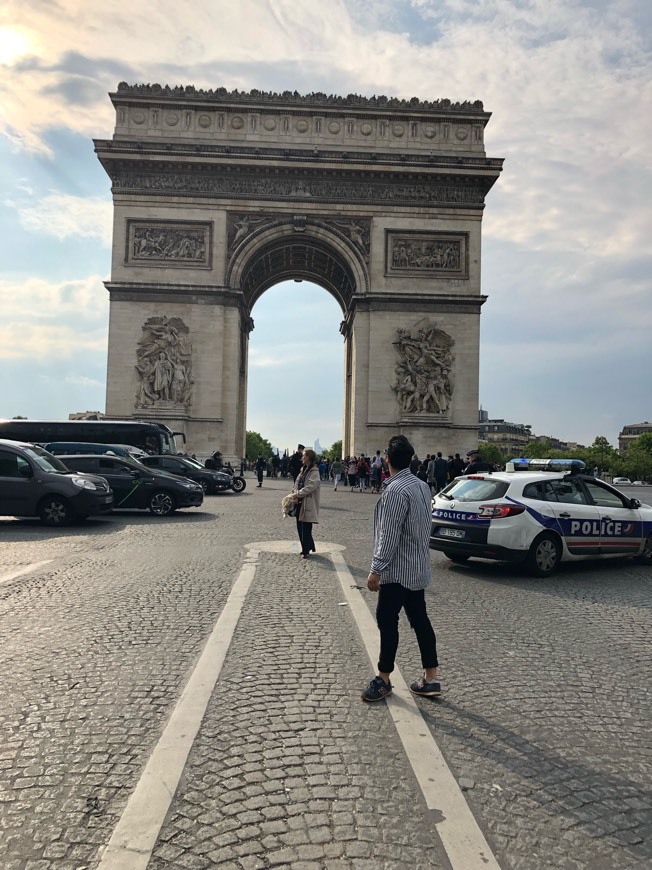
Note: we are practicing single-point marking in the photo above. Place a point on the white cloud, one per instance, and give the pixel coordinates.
(64, 216)
(42, 320)
(82, 381)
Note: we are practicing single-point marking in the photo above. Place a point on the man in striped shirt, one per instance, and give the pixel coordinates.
(401, 571)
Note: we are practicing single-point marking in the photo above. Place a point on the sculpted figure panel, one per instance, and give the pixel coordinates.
(170, 244)
(424, 373)
(356, 230)
(164, 364)
(432, 254)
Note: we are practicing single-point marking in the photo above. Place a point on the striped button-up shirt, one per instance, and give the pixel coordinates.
(402, 522)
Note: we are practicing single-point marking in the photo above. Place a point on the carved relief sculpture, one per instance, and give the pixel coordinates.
(356, 230)
(164, 365)
(440, 255)
(169, 244)
(424, 373)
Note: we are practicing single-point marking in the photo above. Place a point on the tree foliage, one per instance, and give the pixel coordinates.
(257, 446)
(335, 450)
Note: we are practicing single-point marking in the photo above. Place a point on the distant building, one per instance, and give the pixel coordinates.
(557, 444)
(630, 433)
(87, 415)
(318, 448)
(510, 438)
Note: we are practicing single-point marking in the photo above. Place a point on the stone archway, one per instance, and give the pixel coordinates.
(218, 196)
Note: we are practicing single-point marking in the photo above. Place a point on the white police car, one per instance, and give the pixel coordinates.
(538, 512)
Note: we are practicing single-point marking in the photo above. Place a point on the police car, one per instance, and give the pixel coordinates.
(539, 512)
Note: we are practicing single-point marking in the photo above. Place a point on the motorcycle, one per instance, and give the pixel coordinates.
(229, 480)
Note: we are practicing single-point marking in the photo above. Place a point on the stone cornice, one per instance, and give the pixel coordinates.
(315, 100)
(113, 149)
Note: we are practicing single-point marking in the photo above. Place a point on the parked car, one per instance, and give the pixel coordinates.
(621, 481)
(136, 486)
(210, 481)
(538, 515)
(33, 483)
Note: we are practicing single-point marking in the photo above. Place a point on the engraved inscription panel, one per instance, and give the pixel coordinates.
(157, 243)
(420, 254)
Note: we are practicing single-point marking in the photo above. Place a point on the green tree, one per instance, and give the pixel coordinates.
(257, 446)
(491, 453)
(334, 450)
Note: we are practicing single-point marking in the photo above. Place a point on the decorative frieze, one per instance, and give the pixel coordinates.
(168, 244)
(164, 364)
(424, 373)
(235, 185)
(424, 254)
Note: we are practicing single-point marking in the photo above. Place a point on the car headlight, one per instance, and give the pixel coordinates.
(82, 483)
(189, 485)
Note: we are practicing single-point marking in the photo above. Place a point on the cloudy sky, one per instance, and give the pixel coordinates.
(567, 260)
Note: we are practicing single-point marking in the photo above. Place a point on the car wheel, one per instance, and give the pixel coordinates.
(162, 504)
(204, 485)
(239, 484)
(645, 557)
(544, 556)
(55, 511)
(460, 558)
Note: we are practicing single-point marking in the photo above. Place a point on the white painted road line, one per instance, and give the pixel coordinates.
(460, 834)
(134, 838)
(135, 835)
(27, 569)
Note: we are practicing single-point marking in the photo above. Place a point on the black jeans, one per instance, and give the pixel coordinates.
(305, 536)
(392, 597)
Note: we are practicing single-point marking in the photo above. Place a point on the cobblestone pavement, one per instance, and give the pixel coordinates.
(545, 719)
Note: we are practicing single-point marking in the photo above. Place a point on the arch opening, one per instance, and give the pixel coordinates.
(295, 377)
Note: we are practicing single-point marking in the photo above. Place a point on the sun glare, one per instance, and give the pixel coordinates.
(13, 44)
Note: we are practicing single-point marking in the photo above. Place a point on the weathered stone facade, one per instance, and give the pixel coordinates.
(219, 195)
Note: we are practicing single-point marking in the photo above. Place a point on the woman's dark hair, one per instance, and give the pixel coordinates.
(310, 455)
(399, 452)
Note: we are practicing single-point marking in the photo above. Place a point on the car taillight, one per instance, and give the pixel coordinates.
(498, 511)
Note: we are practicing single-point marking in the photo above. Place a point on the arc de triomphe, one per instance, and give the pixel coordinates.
(219, 195)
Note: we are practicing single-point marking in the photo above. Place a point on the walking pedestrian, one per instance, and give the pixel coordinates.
(352, 471)
(294, 465)
(401, 571)
(336, 471)
(259, 468)
(306, 489)
(441, 472)
(376, 472)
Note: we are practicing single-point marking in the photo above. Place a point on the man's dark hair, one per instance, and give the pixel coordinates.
(439, 456)
(399, 452)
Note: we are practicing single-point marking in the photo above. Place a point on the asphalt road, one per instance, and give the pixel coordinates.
(544, 721)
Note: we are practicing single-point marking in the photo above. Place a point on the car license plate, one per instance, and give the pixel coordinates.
(451, 533)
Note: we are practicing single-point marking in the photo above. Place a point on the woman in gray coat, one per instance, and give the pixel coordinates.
(306, 490)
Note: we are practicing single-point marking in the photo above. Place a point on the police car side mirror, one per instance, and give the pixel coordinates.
(634, 503)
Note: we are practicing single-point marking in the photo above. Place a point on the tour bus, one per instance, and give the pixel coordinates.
(154, 438)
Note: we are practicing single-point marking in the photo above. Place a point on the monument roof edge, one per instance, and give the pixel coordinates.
(293, 99)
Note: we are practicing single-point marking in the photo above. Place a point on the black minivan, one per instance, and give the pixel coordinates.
(136, 486)
(33, 483)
